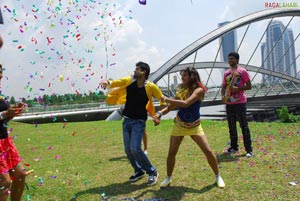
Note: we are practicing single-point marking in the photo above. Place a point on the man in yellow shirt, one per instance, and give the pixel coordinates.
(136, 93)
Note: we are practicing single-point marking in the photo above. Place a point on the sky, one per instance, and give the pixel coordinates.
(68, 46)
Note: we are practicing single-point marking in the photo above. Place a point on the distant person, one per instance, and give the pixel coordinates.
(1, 42)
(236, 81)
(187, 122)
(118, 115)
(136, 93)
(12, 173)
(1, 22)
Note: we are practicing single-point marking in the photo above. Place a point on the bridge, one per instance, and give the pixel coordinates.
(174, 65)
(270, 81)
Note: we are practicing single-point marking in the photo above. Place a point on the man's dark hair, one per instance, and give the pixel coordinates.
(235, 55)
(145, 67)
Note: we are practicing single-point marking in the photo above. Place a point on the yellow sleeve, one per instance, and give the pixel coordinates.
(156, 92)
(120, 82)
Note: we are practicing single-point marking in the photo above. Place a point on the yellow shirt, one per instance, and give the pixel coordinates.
(117, 95)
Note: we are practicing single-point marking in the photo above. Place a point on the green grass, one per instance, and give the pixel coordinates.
(86, 160)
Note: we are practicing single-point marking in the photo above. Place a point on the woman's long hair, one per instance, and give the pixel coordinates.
(183, 92)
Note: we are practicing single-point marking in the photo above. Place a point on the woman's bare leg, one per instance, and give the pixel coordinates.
(175, 142)
(18, 184)
(202, 142)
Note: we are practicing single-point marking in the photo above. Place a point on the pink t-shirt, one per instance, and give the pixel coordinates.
(241, 76)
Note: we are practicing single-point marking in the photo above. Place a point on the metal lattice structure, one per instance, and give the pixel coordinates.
(284, 84)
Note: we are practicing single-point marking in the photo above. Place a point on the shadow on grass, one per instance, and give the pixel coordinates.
(115, 191)
(173, 193)
(119, 158)
(111, 190)
(228, 158)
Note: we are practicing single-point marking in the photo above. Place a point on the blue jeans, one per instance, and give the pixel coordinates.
(133, 131)
(238, 112)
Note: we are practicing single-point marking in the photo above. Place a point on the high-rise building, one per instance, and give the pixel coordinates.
(1, 18)
(278, 52)
(228, 42)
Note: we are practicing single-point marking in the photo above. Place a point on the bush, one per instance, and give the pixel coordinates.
(285, 116)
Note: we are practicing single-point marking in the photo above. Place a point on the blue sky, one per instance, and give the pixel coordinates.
(69, 47)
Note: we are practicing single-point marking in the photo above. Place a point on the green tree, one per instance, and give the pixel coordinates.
(54, 99)
(12, 100)
(46, 99)
(285, 116)
(60, 99)
(30, 103)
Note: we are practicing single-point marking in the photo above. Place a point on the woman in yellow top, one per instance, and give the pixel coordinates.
(187, 122)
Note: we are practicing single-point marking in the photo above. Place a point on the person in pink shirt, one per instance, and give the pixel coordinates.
(236, 81)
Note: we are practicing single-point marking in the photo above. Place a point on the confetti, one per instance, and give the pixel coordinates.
(292, 183)
(63, 39)
(143, 2)
(37, 159)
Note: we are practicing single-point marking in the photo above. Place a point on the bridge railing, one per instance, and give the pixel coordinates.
(66, 108)
(210, 97)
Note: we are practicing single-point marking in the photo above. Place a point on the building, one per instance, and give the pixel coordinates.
(1, 18)
(228, 43)
(278, 52)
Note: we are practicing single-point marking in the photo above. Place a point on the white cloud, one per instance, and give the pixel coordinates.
(62, 66)
(236, 8)
(225, 14)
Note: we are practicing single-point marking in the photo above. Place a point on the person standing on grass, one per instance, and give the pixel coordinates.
(12, 174)
(1, 22)
(187, 122)
(1, 42)
(136, 93)
(236, 81)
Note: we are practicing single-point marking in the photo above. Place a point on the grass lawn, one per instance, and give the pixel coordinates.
(86, 161)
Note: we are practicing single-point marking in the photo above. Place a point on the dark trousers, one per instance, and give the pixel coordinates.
(238, 112)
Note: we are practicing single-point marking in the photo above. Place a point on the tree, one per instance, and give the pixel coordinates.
(12, 100)
(46, 99)
(54, 99)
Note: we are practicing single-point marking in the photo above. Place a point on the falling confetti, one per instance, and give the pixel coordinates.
(63, 45)
(143, 2)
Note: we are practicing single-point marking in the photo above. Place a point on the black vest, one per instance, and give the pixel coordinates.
(136, 101)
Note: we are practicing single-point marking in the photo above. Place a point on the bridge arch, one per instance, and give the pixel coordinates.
(222, 65)
(192, 48)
